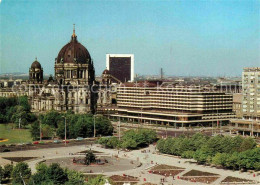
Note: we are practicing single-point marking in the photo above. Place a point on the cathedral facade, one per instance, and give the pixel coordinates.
(73, 86)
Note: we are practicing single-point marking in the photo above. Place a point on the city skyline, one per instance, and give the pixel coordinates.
(184, 38)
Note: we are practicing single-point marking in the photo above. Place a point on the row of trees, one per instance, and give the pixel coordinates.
(45, 175)
(78, 125)
(231, 152)
(16, 110)
(131, 139)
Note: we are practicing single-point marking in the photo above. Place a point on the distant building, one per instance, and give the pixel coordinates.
(180, 106)
(250, 123)
(237, 104)
(121, 66)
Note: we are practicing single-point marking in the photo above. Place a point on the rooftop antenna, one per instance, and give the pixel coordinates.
(161, 73)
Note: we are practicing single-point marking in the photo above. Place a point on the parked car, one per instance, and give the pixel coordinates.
(79, 138)
(36, 142)
(67, 141)
(56, 141)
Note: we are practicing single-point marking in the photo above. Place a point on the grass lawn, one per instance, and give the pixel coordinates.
(14, 135)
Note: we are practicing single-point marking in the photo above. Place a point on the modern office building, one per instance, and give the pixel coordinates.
(121, 66)
(172, 104)
(250, 123)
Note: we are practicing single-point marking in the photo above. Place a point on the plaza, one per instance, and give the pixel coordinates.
(148, 157)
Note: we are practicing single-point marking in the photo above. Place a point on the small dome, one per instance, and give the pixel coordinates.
(106, 72)
(36, 64)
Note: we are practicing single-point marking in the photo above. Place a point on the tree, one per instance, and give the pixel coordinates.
(197, 141)
(188, 154)
(35, 130)
(232, 161)
(247, 143)
(160, 145)
(1, 174)
(90, 157)
(8, 168)
(47, 131)
(201, 156)
(56, 174)
(103, 126)
(20, 117)
(220, 159)
(21, 173)
(23, 101)
(41, 175)
(169, 146)
(97, 180)
(113, 142)
(51, 118)
(129, 143)
(74, 177)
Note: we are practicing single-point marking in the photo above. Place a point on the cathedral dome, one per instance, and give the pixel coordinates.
(36, 64)
(74, 52)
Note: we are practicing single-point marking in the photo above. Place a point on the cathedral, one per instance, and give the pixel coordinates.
(73, 86)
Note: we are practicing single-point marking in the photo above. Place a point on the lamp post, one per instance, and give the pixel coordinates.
(119, 133)
(94, 126)
(40, 131)
(65, 130)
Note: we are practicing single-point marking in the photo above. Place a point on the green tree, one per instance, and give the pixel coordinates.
(160, 145)
(188, 154)
(21, 173)
(47, 131)
(168, 147)
(41, 176)
(1, 174)
(20, 117)
(74, 177)
(247, 143)
(197, 141)
(103, 126)
(56, 174)
(129, 144)
(23, 101)
(35, 130)
(90, 157)
(8, 168)
(113, 142)
(201, 155)
(220, 159)
(97, 180)
(51, 118)
(232, 161)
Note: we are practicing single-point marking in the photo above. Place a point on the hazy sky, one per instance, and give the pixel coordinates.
(183, 37)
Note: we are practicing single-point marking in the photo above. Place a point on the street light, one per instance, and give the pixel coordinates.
(65, 130)
(94, 126)
(119, 129)
(40, 131)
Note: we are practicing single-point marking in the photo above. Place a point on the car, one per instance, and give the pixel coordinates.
(41, 142)
(56, 141)
(66, 141)
(79, 138)
(36, 142)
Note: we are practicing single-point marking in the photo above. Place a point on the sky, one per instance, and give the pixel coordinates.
(185, 38)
